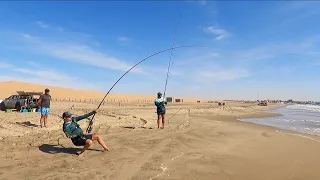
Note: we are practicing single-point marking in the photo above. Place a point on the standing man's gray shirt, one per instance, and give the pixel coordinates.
(45, 101)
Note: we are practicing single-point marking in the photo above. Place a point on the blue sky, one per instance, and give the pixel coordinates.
(270, 48)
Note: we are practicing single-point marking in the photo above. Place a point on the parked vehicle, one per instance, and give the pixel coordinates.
(24, 100)
(262, 103)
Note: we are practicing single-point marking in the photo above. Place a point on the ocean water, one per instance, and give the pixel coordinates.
(298, 118)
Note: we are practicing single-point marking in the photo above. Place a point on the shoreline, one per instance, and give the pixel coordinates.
(267, 114)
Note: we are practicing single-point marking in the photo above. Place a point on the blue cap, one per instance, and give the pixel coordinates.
(66, 114)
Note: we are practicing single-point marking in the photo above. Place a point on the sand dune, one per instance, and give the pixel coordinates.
(11, 87)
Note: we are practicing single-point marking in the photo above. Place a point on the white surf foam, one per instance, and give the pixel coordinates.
(313, 108)
(299, 118)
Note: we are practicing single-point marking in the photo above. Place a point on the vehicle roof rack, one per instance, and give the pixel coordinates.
(21, 93)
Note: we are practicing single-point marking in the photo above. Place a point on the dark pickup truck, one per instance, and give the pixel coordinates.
(262, 103)
(24, 100)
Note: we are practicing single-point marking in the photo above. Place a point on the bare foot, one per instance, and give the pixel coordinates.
(79, 155)
(106, 149)
(162, 127)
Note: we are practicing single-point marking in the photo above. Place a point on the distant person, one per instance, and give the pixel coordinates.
(44, 103)
(79, 138)
(161, 109)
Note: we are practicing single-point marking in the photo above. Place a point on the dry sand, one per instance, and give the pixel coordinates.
(201, 141)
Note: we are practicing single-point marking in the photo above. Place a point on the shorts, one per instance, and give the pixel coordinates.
(161, 111)
(45, 111)
(81, 140)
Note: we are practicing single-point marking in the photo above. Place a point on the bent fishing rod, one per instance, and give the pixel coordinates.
(90, 126)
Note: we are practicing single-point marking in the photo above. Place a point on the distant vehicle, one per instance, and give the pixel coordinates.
(262, 103)
(24, 100)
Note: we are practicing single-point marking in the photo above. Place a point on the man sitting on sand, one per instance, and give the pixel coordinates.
(79, 138)
(161, 109)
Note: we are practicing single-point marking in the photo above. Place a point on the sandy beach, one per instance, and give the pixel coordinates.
(200, 141)
(239, 80)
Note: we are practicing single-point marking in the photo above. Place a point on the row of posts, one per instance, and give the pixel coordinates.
(106, 100)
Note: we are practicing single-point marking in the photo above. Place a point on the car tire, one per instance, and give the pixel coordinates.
(18, 107)
(2, 106)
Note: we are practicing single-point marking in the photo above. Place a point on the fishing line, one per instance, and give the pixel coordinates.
(90, 126)
(170, 61)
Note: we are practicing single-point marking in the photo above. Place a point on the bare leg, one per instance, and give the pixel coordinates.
(42, 121)
(158, 121)
(45, 120)
(100, 141)
(86, 146)
(163, 119)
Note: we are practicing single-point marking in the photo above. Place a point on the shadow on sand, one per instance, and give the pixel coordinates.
(27, 124)
(128, 127)
(57, 149)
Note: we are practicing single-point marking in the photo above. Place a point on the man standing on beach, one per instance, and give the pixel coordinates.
(44, 102)
(161, 109)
